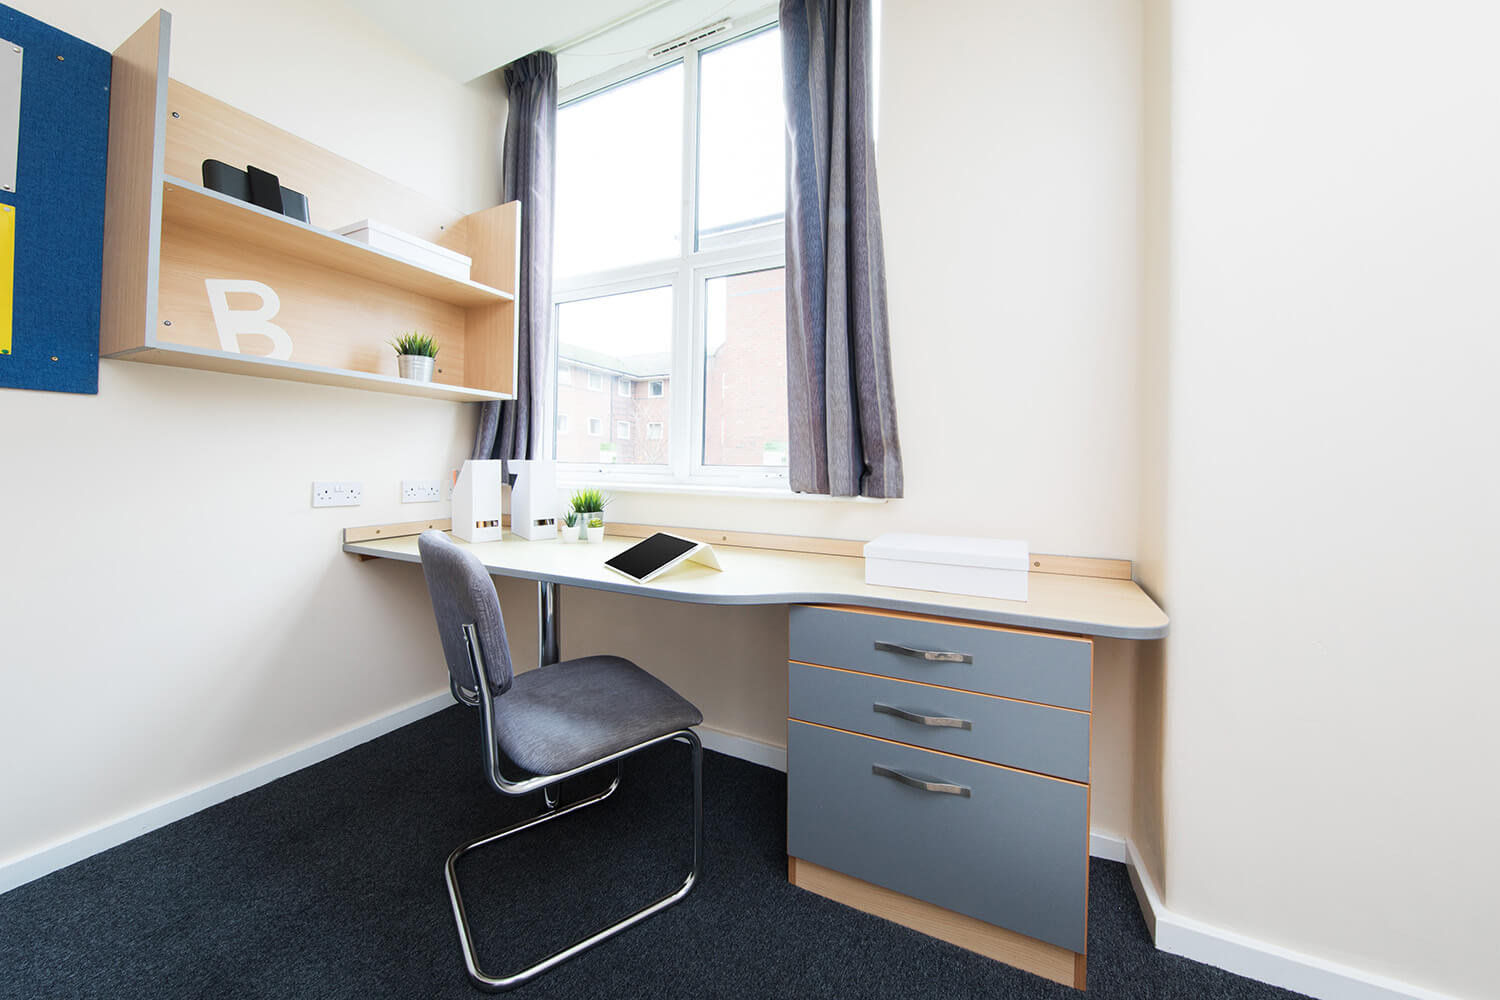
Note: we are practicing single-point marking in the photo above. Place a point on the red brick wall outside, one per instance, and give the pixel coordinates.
(744, 394)
(578, 402)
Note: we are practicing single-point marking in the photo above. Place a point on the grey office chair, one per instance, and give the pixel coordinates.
(555, 722)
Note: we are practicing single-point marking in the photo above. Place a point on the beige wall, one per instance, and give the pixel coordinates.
(1010, 195)
(174, 612)
(1328, 539)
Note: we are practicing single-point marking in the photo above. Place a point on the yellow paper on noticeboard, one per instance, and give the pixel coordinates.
(7, 273)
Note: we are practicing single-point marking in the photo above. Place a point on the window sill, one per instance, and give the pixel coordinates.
(778, 493)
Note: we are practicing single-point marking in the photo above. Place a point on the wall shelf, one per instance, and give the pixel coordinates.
(182, 356)
(333, 303)
(194, 206)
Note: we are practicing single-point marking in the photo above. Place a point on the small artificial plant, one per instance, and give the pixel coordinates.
(419, 344)
(596, 523)
(590, 499)
(570, 519)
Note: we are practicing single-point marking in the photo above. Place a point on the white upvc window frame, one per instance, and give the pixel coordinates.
(754, 249)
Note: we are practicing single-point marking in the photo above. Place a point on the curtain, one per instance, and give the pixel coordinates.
(515, 428)
(841, 409)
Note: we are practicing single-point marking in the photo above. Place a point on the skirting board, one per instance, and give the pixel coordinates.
(1246, 956)
(102, 838)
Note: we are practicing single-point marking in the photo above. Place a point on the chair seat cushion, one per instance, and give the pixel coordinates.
(567, 714)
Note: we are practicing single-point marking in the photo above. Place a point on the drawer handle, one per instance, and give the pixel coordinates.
(930, 655)
(942, 787)
(923, 720)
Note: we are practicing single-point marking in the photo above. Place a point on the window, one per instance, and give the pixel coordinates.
(596, 427)
(670, 264)
(564, 375)
(562, 423)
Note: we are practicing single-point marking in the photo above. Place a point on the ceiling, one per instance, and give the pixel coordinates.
(465, 39)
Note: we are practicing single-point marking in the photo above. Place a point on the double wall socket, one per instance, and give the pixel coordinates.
(420, 490)
(337, 494)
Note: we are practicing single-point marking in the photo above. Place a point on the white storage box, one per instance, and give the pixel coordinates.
(379, 236)
(981, 567)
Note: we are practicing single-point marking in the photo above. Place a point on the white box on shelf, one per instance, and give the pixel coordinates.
(533, 499)
(477, 501)
(379, 236)
(981, 567)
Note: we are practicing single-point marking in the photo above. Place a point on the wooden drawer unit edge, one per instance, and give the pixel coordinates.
(1011, 947)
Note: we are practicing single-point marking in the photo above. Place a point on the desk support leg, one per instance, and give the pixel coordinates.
(546, 652)
(546, 607)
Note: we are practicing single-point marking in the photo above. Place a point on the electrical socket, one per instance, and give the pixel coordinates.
(337, 494)
(419, 490)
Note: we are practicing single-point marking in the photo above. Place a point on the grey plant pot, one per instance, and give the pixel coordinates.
(417, 367)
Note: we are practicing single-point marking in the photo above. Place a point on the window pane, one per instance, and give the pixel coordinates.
(744, 370)
(619, 175)
(615, 339)
(741, 135)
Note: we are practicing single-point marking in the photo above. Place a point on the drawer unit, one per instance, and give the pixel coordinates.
(1021, 734)
(1052, 670)
(996, 844)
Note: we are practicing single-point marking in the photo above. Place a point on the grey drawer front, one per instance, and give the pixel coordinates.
(1013, 853)
(1044, 668)
(1034, 737)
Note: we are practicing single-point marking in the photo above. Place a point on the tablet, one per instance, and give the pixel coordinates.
(654, 556)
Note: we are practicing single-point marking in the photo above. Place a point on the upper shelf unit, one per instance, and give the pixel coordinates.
(196, 279)
(193, 206)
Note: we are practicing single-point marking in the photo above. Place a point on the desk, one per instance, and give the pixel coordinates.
(1023, 692)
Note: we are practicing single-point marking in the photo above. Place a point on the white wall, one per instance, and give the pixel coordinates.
(1330, 351)
(173, 611)
(1009, 187)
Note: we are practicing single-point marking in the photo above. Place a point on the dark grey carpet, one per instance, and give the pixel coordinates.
(328, 884)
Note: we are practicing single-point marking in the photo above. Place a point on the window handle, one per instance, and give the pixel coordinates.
(930, 655)
(941, 787)
(939, 721)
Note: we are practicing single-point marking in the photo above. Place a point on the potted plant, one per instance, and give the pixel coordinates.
(567, 526)
(596, 529)
(415, 353)
(588, 503)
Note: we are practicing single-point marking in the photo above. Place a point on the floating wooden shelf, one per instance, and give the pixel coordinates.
(235, 221)
(183, 356)
(330, 304)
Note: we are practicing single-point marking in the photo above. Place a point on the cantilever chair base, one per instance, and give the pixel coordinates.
(495, 984)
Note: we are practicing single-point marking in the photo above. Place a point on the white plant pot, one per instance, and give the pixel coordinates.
(596, 534)
(566, 533)
(417, 367)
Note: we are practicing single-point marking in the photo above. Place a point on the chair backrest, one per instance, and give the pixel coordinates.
(463, 594)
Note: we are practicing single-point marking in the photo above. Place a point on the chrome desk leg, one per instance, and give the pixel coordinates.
(546, 606)
(546, 652)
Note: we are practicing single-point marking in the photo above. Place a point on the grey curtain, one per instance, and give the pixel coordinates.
(516, 428)
(841, 408)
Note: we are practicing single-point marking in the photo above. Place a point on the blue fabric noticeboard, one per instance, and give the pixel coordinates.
(57, 209)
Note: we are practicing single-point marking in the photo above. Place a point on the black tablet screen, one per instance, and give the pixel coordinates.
(644, 558)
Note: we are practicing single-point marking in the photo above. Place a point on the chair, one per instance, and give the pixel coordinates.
(555, 722)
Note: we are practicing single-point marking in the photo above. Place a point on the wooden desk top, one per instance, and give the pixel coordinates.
(1081, 605)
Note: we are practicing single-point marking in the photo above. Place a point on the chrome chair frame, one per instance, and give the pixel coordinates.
(548, 784)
